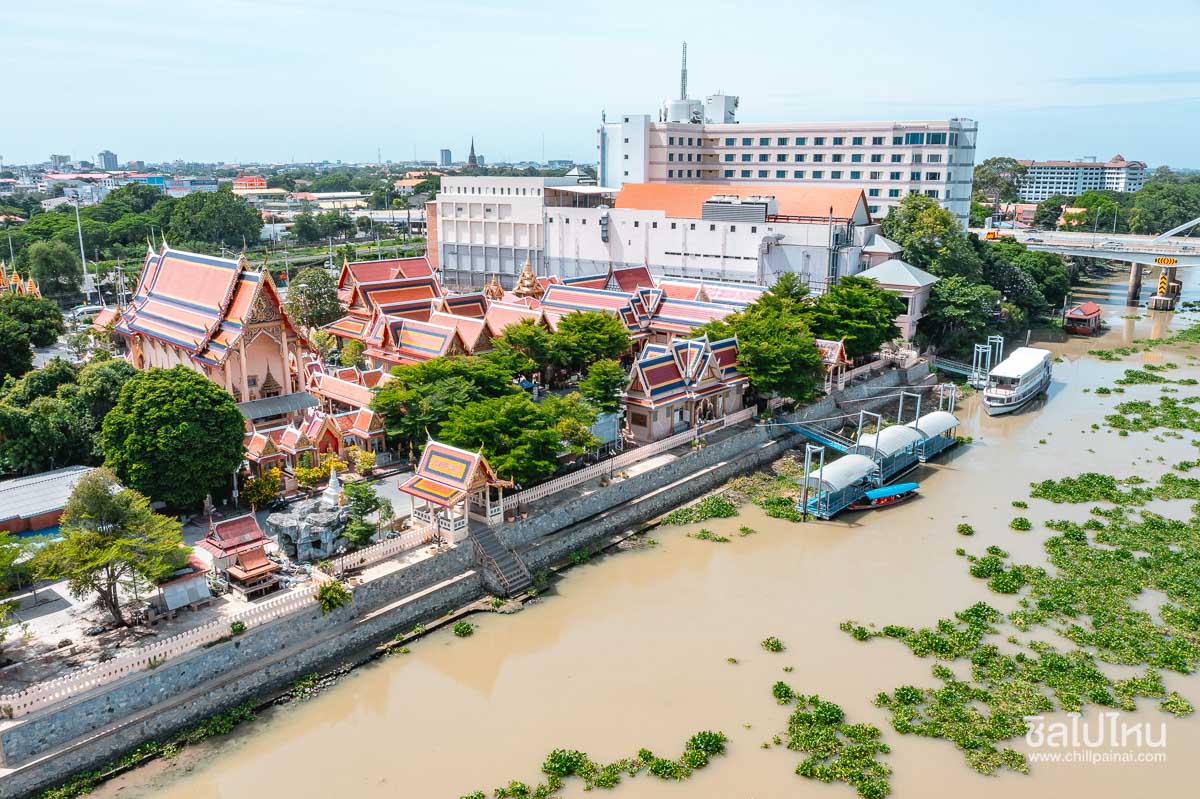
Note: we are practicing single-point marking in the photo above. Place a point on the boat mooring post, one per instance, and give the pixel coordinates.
(809, 449)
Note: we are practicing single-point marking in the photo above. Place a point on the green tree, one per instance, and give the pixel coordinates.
(40, 318)
(323, 342)
(979, 214)
(1049, 210)
(282, 181)
(775, 346)
(99, 387)
(352, 353)
(523, 347)
(584, 337)
(1164, 204)
(931, 238)
(42, 382)
(419, 399)
(312, 298)
(957, 314)
(257, 492)
(48, 433)
(112, 540)
(858, 311)
(305, 228)
(219, 217)
(56, 268)
(174, 435)
(363, 500)
(136, 197)
(604, 385)
(519, 441)
(1047, 269)
(16, 358)
(998, 179)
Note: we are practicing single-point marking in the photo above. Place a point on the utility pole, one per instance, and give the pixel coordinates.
(82, 254)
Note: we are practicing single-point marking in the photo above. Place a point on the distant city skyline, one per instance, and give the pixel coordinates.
(529, 80)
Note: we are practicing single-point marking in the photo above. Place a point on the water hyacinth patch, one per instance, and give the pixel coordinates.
(837, 751)
(716, 506)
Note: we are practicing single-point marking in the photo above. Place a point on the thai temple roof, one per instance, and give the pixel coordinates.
(683, 369)
(447, 474)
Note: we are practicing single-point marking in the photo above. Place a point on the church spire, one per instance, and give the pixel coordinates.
(471, 159)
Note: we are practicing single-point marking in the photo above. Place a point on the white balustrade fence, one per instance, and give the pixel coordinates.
(385, 549)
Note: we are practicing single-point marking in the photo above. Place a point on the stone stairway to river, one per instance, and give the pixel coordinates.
(504, 565)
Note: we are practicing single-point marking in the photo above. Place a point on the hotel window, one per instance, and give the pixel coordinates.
(933, 175)
(876, 158)
(818, 141)
(799, 173)
(914, 138)
(873, 209)
(893, 175)
(745, 173)
(897, 158)
(764, 141)
(818, 158)
(897, 140)
(692, 226)
(893, 192)
(654, 225)
(670, 140)
(877, 141)
(729, 141)
(876, 176)
(914, 175)
(781, 173)
(670, 173)
(689, 156)
(689, 173)
(916, 158)
(801, 141)
(817, 174)
(635, 223)
(856, 158)
(711, 228)
(762, 173)
(728, 173)
(781, 157)
(931, 193)
(933, 158)
(781, 141)
(855, 175)
(733, 228)
(747, 141)
(689, 141)
(936, 138)
(857, 141)
(837, 158)
(670, 156)
(837, 140)
(753, 228)
(728, 156)
(872, 192)
(835, 174)
(672, 226)
(799, 158)
(953, 139)
(764, 157)
(747, 157)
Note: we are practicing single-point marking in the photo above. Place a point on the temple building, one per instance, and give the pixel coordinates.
(451, 486)
(681, 385)
(215, 316)
(11, 282)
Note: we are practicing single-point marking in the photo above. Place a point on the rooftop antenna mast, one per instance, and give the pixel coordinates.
(683, 75)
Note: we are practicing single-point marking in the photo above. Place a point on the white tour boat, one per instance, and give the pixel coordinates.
(1017, 379)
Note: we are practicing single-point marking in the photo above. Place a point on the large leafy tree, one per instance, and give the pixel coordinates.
(41, 319)
(1047, 269)
(1163, 204)
(604, 384)
(998, 179)
(111, 541)
(305, 228)
(523, 347)
(584, 337)
(312, 298)
(857, 311)
(42, 382)
(1049, 210)
(418, 401)
(931, 238)
(16, 358)
(56, 267)
(957, 314)
(99, 387)
(174, 435)
(521, 441)
(48, 433)
(219, 217)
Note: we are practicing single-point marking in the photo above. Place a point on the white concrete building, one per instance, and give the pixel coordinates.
(1044, 179)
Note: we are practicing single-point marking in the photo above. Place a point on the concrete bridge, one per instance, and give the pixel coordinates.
(1169, 251)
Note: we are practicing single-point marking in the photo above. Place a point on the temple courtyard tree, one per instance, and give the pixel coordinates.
(111, 541)
(312, 298)
(604, 384)
(584, 337)
(56, 267)
(39, 318)
(174, 435)
(857, 311)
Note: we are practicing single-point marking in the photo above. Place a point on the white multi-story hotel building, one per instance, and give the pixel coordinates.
(691, 142)
(1044, 179)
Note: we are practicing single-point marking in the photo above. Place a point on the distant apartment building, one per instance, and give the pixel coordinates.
(59, 161)
(108, 160)
(702, 142)
(445, 157)
(1044, 179)
(489, 226)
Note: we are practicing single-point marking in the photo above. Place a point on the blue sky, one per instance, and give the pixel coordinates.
(280, 80)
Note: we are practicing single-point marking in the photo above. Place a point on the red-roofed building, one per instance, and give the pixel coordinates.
(450, 486)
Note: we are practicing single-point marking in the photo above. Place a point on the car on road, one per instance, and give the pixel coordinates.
(1034, 240)
(80, 311)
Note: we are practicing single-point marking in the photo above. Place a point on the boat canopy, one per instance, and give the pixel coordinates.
(1023, 361)
(934, 423)
(842, 473)
(890, 440)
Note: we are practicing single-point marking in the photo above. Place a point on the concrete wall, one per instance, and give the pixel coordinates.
(43, 731)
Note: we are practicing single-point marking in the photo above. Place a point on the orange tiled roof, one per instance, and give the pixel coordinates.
(687, 199)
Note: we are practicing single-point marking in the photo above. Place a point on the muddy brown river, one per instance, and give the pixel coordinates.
(631, 649)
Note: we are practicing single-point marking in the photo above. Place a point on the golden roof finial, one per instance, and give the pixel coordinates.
(527, 283)
(493, 290)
